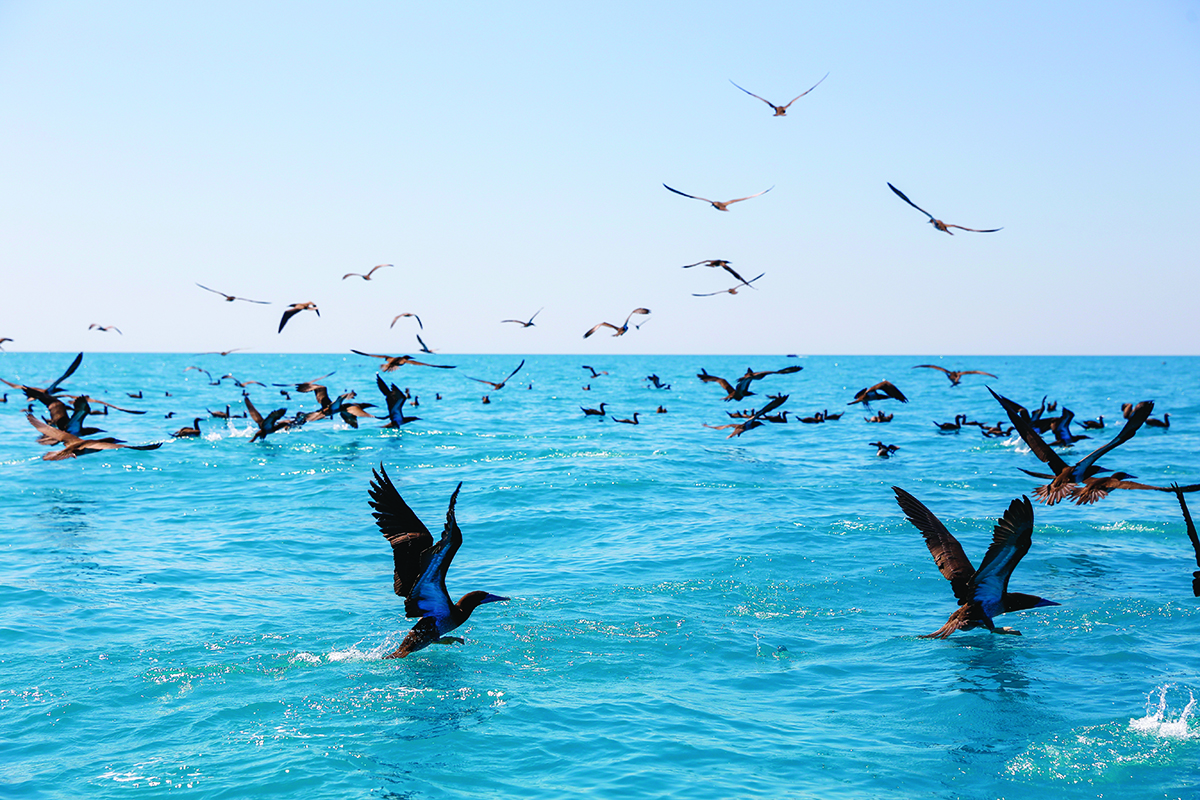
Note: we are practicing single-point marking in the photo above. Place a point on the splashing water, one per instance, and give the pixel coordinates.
(1168, 710)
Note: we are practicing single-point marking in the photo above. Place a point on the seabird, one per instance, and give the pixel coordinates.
(105, 328)
(407, 314)
(1165, 422)
(937, 223)
(1093, 424)
(420, 568)
(880, 391)
(189, 431)
(391, 363)
(658, 384)
(525, 323)
(1066, 476)
(230, 298)
(723, 264)
(633, 421)
(293, 310)
(366, 277)
(1093, 489)
(593, 412)
(954, 375)
(595, 373)
(755, 419)
(952, 427)
(4, 339)
(742, 388)
(500, 385)
(982, 594)
(733, 290)
(74, 446)
(717, 204)
(395, 399)
(620, 330)
(1191, 531)
(884, 450)
(880, 417)
(268, 424)
(781, 111)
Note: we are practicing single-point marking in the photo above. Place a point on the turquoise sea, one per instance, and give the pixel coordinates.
(690, 616)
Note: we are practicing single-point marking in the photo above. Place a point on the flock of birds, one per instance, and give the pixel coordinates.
(421, 564)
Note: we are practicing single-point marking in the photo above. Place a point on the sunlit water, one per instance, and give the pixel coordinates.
(691, 616)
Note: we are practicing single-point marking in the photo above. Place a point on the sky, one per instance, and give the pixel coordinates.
(508, 158)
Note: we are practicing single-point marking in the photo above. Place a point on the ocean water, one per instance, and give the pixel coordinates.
(690, 616)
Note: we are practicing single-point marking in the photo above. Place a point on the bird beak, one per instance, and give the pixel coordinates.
(495, 598)
(1045, 602)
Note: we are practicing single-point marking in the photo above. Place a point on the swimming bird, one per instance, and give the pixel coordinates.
(230, 298)
(188, 431)
(781, 111)
(633, 421)
(954, 375)
(593, 412)
(880, 391)
(1191, 531)
(937, 223)
(500, 385)
(420, 568)
(391, 363)
(733, 290)
(293, 310)
(1066, 476)
(982, 593)
(366, 277)
(952, 427)
(104, 328)
(407, 314)
(880, 417)
(1165, 422)
(1093, 424)
(395, 399)
(525, 323)
(755, 419)
(884, 450)
(718, 205)
(620, 330)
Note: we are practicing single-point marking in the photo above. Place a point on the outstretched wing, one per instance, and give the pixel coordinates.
(1010, 542)
(946, 551)
(904, 197)
(428, 597)
(768, 102)
(1140, 412)
(974, 230)
(694, 197)
(1019, 417)
(797, 97)
(402, 528)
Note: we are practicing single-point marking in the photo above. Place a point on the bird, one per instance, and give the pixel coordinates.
(658, 384)
(937, 223)
(223, 352)
(293, 310)
(391, 363)
(595, 373)
(1093, 424)
(593, 412)
(880, 391)
(1165, 422)
(4, 339)
(53, 387)
(718, 205)
(754, 420)
(1093, 489)
(884, 450)
(742, 388)
(188, 431)
(230, 298)
(723, 264)
(366, 277)
(733, 290)
(620, 330)
(424, 347)
(74, 446)
(954, 375)
(268, 424)
(1066, 476)
(420, 568)
(633, 421)
(500, 385)
(880, 417)
(104, 328)
(952, 427)
(524, 323)
(982, 593)
(395, 399)
(407, 314)
(781, 111)
(1191, 531)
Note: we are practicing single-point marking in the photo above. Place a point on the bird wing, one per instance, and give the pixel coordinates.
(1019, 417)
(70, 371)
(974, 230)
(599, 326)
(932, 366)
(946, 551)
(288, 314)
(428, 596)
(768, 102)
(514, 372)
(1011, 539)
(407, 314)
(1140, 412)
(252, 411)
(1187, 519)
(904, 197)
(402, 528)
(685, 194)
(748, 197)
(369, 355)
(975, 371)
(51, 432)
(797, 97)
(724, 384)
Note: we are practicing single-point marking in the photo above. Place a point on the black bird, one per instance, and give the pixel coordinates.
(880, 391)
(420, 568)
(391, 363)
(293, 310)
(937, 223)
(395, 399)
(620, 329)
(366, 277)
(594, 412)
(188, 431)
(268, 424)
(952, 427)
(1191, 531)
(982, 594)
(755, 419)
(954, 375)
(884, 450)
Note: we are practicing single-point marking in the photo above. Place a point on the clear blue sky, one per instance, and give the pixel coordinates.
(509, 157)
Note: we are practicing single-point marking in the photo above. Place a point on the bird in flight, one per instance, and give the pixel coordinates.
(366, 277)
(781, 111)
(732, 290)
(717, 204)
(419, 568)
(293, 310)
(524, 323)
(500, 385)
(391, 363)
(230, 298)
(95, 326)
(620, 330)
(937, 223)
(880, 391)
(982, 593)
(954, 375)
(407, 314)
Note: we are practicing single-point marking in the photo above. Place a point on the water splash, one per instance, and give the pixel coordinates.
(1169, 708)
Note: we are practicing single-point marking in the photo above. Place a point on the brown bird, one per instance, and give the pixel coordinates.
(1066, 476)
(723, 265)
(293, 310)
(419, 568)
(524, 323)
(500, 385)
(937, 223)
(880, 391)
(268, 424)
(366, 277)
(595, 373)
(1097, 488)
(188, 431)
(74, 446)
(755, 419)
(880, 417)
(982, 593)
(781, 111)
(407, 314)
(230, 298)
(391, 363)
(593, 412)
(1165, 422)
(884, 450)
(718, 205)
(4, 339)
(98, 327)
(954, 375)
(633, 421)
(620, 330)
(733, 290)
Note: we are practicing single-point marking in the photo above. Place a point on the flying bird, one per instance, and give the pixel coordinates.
(884, 450)
(4, 339)
(268, 424)
(1191, 531)
(954, 375)
(1097, 488)
(230, 298)
(620, 330)
(53, 387)
(500, 385)
(781, 111)
(982, 594)
(525, 323)
(395, 398)
(937, 223)
(880, 391)
(391, 363)
(754, 420)
(733, 290)
(293, 310)
(407, 314)
(420, 568)
(718, 205)
(98, 327)
(74, 446)
(366, 277)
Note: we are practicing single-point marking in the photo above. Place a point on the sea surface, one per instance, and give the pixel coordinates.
(691, 615)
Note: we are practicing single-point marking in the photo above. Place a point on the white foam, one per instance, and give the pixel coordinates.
(1164, 715)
